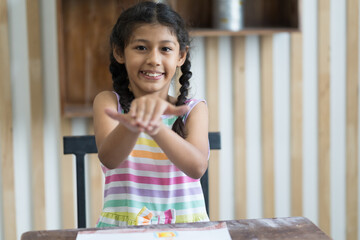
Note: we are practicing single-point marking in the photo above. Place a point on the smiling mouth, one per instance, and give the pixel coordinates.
(153, 75)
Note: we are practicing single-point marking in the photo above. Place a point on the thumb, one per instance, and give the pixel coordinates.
(176, 110)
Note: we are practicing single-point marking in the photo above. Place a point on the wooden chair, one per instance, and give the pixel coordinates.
(81, 145)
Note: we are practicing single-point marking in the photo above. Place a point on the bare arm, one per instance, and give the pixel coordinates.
(114, 141)
(191, 154)
(116, 133)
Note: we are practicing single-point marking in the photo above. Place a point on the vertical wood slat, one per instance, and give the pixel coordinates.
(296, 125)
(324, 115)
(267, 127)
(6, 126)
(67, 169)
(67, 180)
(61, 50)
(96, 182)
(37, 114)
(238, 45)
(212, 87)
(352, 96)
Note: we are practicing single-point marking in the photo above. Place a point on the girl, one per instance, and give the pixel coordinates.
(153, 147)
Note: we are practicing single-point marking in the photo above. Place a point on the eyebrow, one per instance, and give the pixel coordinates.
(147, 41)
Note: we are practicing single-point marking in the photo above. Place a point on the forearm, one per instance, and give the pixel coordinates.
(187, 157)
(116, 147)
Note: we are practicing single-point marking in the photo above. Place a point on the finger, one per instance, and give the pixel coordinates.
(112, 114)
(116, 116)
(133, 109)
(140, 109)
(149, 112)
(152, 130)
(176, 110)
(158, 111)
(124, 119)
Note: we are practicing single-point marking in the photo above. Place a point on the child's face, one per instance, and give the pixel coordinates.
(151, 58)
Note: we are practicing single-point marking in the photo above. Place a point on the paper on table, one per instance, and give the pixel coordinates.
(217, 231)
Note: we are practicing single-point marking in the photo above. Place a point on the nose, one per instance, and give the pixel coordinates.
(154, 58)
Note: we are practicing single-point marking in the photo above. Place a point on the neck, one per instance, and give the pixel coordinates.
(166, 97)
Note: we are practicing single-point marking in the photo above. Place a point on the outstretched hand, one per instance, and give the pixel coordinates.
(145, 114)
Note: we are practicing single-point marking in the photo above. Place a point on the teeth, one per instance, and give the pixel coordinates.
(152, 74)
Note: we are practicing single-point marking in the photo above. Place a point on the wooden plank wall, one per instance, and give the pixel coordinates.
(296, 125)
(238, 45)
(296, 172)
(324, 114)
(352, 121)
(212, 93)
(267, 125)
(37, 113)
(96, 182)
(7, 179)
(67, 180)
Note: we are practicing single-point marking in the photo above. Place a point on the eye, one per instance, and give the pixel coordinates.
(141, 48)
(166, 49)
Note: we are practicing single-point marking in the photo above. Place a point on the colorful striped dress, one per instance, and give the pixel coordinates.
(148, 188)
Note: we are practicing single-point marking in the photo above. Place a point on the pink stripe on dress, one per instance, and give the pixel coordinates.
(148, 167)
(149, 180)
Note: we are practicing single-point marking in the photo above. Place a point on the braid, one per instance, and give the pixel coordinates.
(178, 125)
(121, 83)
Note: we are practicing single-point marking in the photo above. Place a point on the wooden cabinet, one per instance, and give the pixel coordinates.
(84, 27)
(260, 16)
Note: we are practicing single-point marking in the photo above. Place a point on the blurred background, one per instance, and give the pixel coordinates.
(283, 92)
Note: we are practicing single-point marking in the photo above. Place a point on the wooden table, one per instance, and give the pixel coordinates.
(268, 228)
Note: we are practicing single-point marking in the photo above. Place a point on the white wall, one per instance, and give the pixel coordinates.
(52, 135)
(338, 117)
(310, 109)
(21, 112)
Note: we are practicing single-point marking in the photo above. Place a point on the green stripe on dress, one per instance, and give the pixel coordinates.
(153, 206)
(169, 121)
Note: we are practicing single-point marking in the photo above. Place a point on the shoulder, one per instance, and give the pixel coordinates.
(105, 99)
(197, 122)
(107, 95)
(196, 106)
(194, 101)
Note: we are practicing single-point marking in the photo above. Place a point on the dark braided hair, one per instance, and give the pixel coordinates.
(150, 13)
